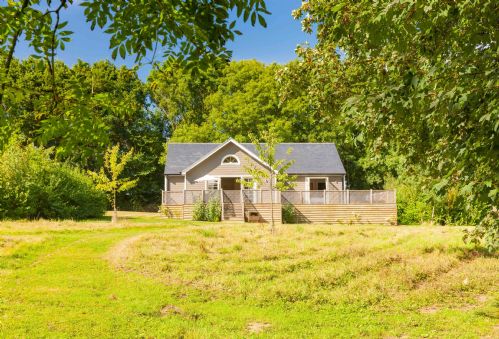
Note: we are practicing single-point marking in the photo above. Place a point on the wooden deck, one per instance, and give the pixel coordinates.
(334, 207)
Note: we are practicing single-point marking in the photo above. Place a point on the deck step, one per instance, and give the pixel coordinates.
(233, 212)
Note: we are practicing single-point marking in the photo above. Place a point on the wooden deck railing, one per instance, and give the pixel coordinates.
(346, 197)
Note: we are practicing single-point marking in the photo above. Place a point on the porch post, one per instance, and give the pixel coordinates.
(371, 196)
(222, 203)
(242, 203)
(348, 197)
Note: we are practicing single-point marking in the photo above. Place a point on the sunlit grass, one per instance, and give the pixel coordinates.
(152, 277)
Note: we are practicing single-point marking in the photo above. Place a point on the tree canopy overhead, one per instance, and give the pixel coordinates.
(193, 32)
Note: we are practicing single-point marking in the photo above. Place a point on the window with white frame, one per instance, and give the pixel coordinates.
(230, 160)
(212, 184)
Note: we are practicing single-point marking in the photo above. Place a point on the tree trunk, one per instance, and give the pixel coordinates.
(271, 202)
(114, 219)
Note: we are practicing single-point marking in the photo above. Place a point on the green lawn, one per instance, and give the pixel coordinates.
(151, 277)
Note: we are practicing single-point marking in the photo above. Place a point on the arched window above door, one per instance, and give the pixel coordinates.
(230, 160)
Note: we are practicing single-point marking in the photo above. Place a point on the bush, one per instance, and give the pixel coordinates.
(486, 233)
(418, 201)
(212, 211)
(32, 185)
(199, 211)
(288, 214)
(413, 203)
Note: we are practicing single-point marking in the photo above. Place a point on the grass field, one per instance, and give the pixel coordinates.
(151, 277)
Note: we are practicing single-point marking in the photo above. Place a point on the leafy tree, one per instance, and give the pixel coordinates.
(108, 178)
(486, 233)
(231, 100)
(276, 173)
(179, 96)
(103, 105)
(419, 78)
(194, 32)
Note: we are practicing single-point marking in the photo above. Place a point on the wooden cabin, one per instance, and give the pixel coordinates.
(204, 171)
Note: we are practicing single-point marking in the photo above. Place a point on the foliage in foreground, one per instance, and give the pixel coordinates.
(32, 185)
(419, 79)
(486, 233)
(194, 32)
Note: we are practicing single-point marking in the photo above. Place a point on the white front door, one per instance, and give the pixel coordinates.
(317, 190)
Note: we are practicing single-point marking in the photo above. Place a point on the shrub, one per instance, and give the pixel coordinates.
(214, 210)
(32, 185)
(288, 214)
(211, 211)
(199, 211)
(486, 233)
(413, 203)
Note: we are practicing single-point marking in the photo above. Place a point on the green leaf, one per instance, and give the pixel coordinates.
(122, 51)
(262, 21)
(337, 7)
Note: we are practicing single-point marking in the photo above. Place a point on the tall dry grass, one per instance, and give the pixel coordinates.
(357, 266)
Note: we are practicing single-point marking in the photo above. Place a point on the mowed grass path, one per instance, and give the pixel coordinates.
(151, 277)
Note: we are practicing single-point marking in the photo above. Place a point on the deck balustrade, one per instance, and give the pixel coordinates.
(345, 197)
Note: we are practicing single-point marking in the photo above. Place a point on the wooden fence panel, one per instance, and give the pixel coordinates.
(264, 210)
(343, 214)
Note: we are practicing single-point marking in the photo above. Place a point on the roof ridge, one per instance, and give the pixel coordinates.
(250, 143)
(298, 143)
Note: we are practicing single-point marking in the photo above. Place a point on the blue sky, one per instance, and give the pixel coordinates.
(276, 43)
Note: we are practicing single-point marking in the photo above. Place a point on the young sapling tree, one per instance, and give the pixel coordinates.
(108, 178)
(275, 173)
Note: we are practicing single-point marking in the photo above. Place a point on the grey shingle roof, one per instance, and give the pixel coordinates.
(310, 158)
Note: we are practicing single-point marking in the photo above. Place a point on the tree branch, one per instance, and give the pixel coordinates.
(12, 48)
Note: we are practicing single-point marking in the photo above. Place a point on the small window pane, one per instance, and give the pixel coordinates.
(230, 160)
(212, 184)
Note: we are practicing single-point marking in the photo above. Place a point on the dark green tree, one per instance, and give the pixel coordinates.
(420, 79)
